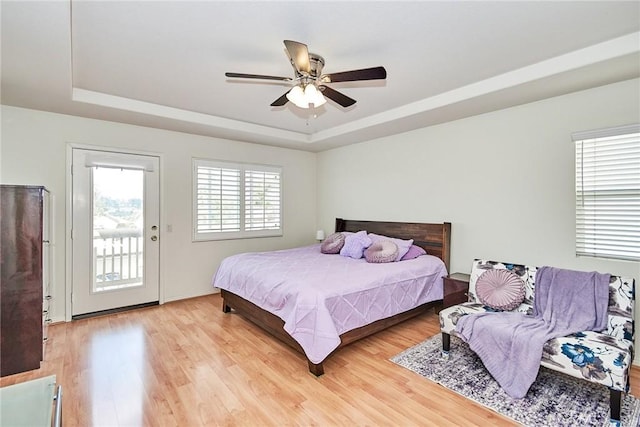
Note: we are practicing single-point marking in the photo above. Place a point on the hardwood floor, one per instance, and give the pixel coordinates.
(186, 363)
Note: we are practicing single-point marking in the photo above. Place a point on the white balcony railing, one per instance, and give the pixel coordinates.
(117, 258)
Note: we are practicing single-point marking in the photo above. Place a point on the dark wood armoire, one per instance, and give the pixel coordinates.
(23, 285)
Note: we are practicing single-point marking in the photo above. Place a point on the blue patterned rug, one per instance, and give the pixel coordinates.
(554, 399)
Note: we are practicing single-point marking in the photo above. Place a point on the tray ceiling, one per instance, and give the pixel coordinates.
(162, 64)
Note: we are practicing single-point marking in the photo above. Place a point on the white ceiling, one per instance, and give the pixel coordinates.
(162, 64)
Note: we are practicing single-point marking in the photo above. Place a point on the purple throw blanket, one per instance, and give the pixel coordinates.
(510, 343)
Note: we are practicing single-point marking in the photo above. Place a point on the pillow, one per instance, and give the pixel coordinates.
(413, 252)
(355, 244)
(403, 245)
(332, 244)
(500, 289)
(381, 251)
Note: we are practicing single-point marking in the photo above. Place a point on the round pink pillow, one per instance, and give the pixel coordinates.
(381, 251)
(500, 289)
(332, 244)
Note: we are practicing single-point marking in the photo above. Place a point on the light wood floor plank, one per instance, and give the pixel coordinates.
(186, 363)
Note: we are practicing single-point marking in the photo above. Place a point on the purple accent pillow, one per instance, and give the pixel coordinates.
(413, 252)
(500, 289)
(355, 244)
(332, 244)
(381, 251)
(403, 245)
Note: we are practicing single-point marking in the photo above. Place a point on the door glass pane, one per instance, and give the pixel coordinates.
(118, 221)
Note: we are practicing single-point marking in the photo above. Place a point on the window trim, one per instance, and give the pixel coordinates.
(242, 233)
(586, 236)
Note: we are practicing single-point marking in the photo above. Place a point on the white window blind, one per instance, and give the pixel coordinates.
(608, 193)
(234, 200)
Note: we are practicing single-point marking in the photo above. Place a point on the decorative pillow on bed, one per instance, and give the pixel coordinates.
(413, 252)
(500, 289)
(381, 251)
(403, 245)
(355, 244)
(332, 244)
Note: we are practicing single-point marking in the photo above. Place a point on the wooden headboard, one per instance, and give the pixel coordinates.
(434, 238)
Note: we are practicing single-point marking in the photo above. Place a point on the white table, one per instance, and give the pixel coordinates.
(31, 403)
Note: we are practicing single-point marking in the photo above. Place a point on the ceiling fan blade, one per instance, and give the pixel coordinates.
(336, 96)
(299, 55)
(280, 101)
(257, 76)
(374, 73)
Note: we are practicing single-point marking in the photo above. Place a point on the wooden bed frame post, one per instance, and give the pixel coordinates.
(225, 307)
(316, 370)
(446, 243)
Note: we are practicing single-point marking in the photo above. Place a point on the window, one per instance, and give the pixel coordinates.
(608, 193)
(235, 200)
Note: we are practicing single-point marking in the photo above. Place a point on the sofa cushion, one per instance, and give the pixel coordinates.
(500, 289)
(593, 356)
(621, 307)
(449, 316)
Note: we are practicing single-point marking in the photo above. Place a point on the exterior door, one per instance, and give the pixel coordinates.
(115, 230)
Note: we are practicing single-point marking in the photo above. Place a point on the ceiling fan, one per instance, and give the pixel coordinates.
(310, 85)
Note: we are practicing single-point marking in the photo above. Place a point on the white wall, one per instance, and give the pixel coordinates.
(505, 180)
(33, 151)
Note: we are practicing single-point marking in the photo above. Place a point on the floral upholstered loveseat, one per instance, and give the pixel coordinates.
(600, 357)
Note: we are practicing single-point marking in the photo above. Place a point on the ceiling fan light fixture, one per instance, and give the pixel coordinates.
(303, 97)
(296, 95)
(314, 96)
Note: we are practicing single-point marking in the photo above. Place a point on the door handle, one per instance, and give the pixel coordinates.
(154, 238)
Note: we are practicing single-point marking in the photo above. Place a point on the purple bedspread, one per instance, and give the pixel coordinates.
(320, 296)
(510, 344)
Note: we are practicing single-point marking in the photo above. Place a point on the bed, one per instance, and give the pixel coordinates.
(315, 329)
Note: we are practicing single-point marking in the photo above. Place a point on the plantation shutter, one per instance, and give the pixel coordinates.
(262, 200)
(608, 193)
(236, 200)
(217, 198)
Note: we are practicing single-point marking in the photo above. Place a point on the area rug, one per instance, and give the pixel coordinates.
(554, 399)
